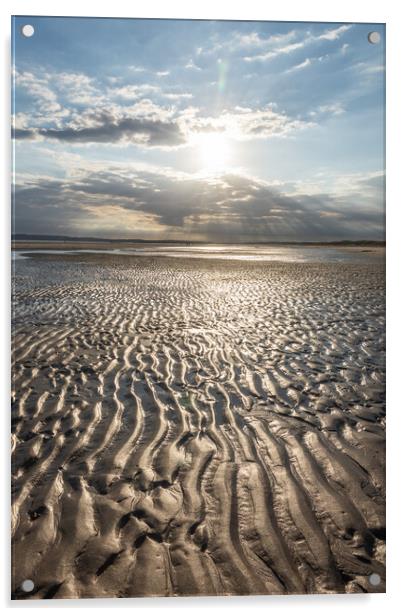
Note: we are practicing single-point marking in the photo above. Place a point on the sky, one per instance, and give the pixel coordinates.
(220, 131)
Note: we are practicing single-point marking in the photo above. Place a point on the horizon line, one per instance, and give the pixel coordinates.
(65, 238)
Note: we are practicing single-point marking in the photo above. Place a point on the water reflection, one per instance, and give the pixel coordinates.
(297, 254)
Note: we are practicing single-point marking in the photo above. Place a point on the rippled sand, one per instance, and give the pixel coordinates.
(197, 427)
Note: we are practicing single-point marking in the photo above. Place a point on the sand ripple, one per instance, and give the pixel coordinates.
(197, 428)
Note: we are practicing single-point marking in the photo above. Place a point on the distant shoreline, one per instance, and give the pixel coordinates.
(20, 237)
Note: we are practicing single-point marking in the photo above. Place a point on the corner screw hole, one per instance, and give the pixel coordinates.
(374, 579)
(374, 37)
(27, 585)
(28, 30)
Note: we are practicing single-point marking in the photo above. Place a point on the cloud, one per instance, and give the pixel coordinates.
(132, 92)
(23, 133)
(190, 65)
(334, 33)
(143, 123)
(177, 96)
(241, 42)
(278, 48)
(147, 124)
(77, 88)
(123, 115)
(332, 109)
(261, 123)
(367, 68)
(298, 67)
(37, 88)
(134, 130)
(45, 99)
(54, 96)
(123, 200)
(276, 52)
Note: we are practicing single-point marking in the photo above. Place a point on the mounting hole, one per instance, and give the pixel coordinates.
(374, 579)
(374, 37)
(28, 30)
(27, 585)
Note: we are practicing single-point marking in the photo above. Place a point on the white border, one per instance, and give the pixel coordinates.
(285, 10)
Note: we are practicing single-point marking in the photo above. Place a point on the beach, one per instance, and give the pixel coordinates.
(200, 426)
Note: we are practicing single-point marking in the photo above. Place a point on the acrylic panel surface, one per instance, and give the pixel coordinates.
(198, 320)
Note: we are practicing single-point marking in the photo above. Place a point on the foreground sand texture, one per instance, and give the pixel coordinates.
(197, 427)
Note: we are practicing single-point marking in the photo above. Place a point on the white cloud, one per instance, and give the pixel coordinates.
(368, 68)
(108, 117)
(251, 40)
(38, 89)
(136, 69)
(332, 109)
(335, 33)
(278, 50)
(77, 88)
(298, 67)
(190, 65)
(177, 96)
(132, 92)
(261, 123)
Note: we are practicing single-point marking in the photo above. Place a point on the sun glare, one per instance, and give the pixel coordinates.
(214, 151)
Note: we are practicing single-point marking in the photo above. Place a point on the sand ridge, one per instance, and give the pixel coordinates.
(197, 428)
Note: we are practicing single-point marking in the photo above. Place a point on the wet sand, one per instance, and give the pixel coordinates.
(197, 427)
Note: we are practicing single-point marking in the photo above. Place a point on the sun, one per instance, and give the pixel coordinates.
(213, 151)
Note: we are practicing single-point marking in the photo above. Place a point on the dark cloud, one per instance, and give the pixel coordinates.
(23, 133)
(106, 127)
(152, 132)
(230, 207)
